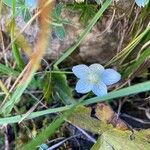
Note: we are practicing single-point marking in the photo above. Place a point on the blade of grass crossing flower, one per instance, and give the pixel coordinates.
(85, 33)
(138, 88)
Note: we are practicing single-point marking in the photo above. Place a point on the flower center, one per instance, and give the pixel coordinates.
(93, 78)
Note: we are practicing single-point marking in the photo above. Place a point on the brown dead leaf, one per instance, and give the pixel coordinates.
(105, 113)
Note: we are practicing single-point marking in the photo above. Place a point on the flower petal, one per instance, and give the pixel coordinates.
(96, 68)
(110, 76)
(99, 89)
(81, 71)
(141, 2)
(31, 3)
(83, 86)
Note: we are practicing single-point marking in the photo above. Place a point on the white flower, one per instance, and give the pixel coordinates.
(94, 78)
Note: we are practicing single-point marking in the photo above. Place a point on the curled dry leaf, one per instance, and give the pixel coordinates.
(105, 113)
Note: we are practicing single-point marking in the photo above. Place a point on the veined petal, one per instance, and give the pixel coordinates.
(81, 71)
(99, 89)
(110, 76)
(83, 86)
(96, 68)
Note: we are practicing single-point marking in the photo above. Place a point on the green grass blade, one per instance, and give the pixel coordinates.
(122, 55)
(85, 33)
(15, 98)
(18, 118)
(15, 49)
(132, 68)
(49, 131)
(7, 70)
(17, 55)
(138, 88)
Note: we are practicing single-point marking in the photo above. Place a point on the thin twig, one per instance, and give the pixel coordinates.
(83, 132)
(136, 119)
(60, 143)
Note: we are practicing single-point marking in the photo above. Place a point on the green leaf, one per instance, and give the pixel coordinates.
(60, 32)
(87, 11)
(21, 8)
(26, 14)
(62, 88)
(48, 87)
(58, 10)
(58, 22)
(82, 118)
(118, 140)
(101, 145)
